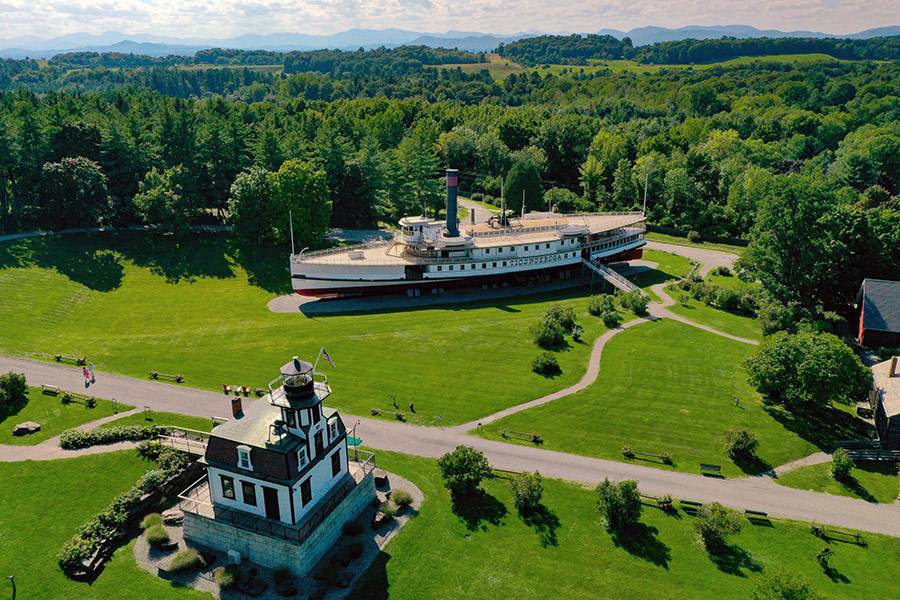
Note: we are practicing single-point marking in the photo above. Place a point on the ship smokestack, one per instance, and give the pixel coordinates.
(452, 182)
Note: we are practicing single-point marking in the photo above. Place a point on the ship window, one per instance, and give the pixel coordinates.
(440, 268)
(494, 264)
(451, 267)
(548, 245)
(487, 250)
(504, 263)
(483, 265)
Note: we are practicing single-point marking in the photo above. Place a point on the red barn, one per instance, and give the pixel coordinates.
(879, 313)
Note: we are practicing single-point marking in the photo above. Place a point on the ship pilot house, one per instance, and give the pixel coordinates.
(279, 486)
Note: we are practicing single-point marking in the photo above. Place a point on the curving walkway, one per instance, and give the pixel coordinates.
(660, 310)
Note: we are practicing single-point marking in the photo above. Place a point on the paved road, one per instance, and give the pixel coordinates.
(482, 214)
(757, 493)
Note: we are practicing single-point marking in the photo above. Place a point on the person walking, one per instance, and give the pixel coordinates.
(93, 375)
(87, 376)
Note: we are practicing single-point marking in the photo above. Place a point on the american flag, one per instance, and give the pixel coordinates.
(326, 357)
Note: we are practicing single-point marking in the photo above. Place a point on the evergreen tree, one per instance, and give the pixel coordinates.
(523, 178)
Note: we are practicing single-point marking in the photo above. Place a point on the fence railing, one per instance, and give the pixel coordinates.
(612, 277)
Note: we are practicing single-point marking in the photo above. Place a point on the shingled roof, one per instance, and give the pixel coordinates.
(881, 304)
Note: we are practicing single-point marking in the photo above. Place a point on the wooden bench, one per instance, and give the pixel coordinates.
(838, 535)
(708, 469)
(75, 360)
(50, 389)
(756, 515)
(534, 438)
(157, 375)
(690, 505)
(665, 459)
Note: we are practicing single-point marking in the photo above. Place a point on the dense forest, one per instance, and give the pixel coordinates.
(578, 49)
(803, 160)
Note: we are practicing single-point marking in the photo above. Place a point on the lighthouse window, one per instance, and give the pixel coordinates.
(306, 492)
(244, 458)
(320, 445)
(334, 430)
(249, 492)
(302, 458)
(227, 487)
(290, 417)
(335, 463)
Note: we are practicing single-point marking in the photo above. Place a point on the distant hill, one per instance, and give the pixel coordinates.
(642, 36)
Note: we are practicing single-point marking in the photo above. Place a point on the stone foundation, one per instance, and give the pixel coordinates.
(274, 552)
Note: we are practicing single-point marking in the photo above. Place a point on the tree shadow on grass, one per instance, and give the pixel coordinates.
(478, 510)
(822, 426)
(734, 560)
(752, 465)
(84, 259)
(177, 259)
(545, 522)
(266, 267)
(641, 540)
(852, 485)
(374, 584)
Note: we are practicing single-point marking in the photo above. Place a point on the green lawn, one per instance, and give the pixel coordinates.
(54, 416)
(871, 482)
(162, 419)
(41, 506)
(672, 239)
(668, 387)
(491, 553)
(135, 303)
(739, 325)
(499, 68)
(670, 267)
(630, 66)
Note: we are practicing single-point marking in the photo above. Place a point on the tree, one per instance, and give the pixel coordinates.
(564, 200)
(741, 444)
(564, 315)
(841, 465)
(523, 177)
(601, 304)
(267, 152)
(300, 193)
(782, 585)
(251, 205)
(619, 503)
(807, 369)
(13, 391)
(527, 489)
(74, 193)
(548, 334)
(463, 469)
(624, 191)
(714, 523)
(162, 198)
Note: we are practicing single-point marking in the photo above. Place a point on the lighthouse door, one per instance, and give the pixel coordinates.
(270, 496)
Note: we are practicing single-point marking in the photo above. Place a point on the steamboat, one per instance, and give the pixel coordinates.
(428, 255)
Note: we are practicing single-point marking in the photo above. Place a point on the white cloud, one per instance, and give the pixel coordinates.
(223, 18)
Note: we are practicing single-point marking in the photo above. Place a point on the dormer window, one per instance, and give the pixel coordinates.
(333, 430)
(244, 458)
(302, 458)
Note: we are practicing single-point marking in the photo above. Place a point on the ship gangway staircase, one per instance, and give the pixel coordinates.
(614, 279)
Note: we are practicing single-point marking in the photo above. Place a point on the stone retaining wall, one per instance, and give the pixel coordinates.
(275, 552)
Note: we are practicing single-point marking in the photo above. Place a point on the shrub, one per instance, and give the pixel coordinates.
(151, 520)
(600, 304)
(722, 271)
(841, 465)
(619, 503)
(577, 331)
(694, 236)
(227, 577)
(402, 497)
(636, 302)
(15, 389)
(352, 528)
(564, 315)
(463, 469)
(714, 523)
(665, 502)
(548, 334)
(151, 480)
(627, 452)
(666, 458)
(374, 412)
(184, 560)
(157, 535)
(74, 552)
(546, 364)
(740, 444)
(781, 585)
(389, 509)
(527, 489)
(74, 439)
(91, 402)
(611, 319)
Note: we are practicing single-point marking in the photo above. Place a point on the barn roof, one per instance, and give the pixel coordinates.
(881, 304)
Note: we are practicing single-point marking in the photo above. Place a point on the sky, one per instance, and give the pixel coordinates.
(225, 18)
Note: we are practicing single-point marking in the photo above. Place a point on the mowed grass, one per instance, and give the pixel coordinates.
(499, 68)
(668, 387)
(567, 553)
(739, 325)
(673, 239)
(630, 66)
(670, 267)
(162, 419)
(135, 303)
(43, 503)
(54, 416)
(873, 482)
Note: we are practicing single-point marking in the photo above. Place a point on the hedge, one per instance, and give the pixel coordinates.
(73, 439)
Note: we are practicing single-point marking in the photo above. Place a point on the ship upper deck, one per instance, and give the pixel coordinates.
(538, 228)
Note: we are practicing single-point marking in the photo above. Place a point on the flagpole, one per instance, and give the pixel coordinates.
(291, 221)
(316, 364)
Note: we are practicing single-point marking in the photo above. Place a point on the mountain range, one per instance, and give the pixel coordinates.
(156, 45)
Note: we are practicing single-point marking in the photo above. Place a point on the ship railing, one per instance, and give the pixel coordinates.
(341, 249)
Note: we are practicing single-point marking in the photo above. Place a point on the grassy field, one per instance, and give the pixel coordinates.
(135, 303)
(673, 239)
(670, 267)
(159, 418)
(871, 482)
(490, 552)
(668, 387)
(630, 66)
(54, 416)
(739, 325)
(41, 506)
(499, 68)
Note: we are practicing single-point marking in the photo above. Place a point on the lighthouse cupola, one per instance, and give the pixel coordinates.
(299, 383)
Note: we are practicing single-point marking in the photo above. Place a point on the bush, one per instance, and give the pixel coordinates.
(74, 439)
(740, 444)
(546, 364)
(13, 390)
(611, 319)
(389, 509)
(91, 402)
(619, 503)
(151, 520)
(402, 497)
(352, 528)
(548, 334)
(564, 315)
(841, 465)
(781, 585)
(636, 302)
(577, 331)
(694, 236)
(714, 523)
(627, 452)
(157, 535)
(463, 469)
(527, 489)
(74, 552)
(184, 560)
(228, 577)
(722, 271)
(600, 304)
